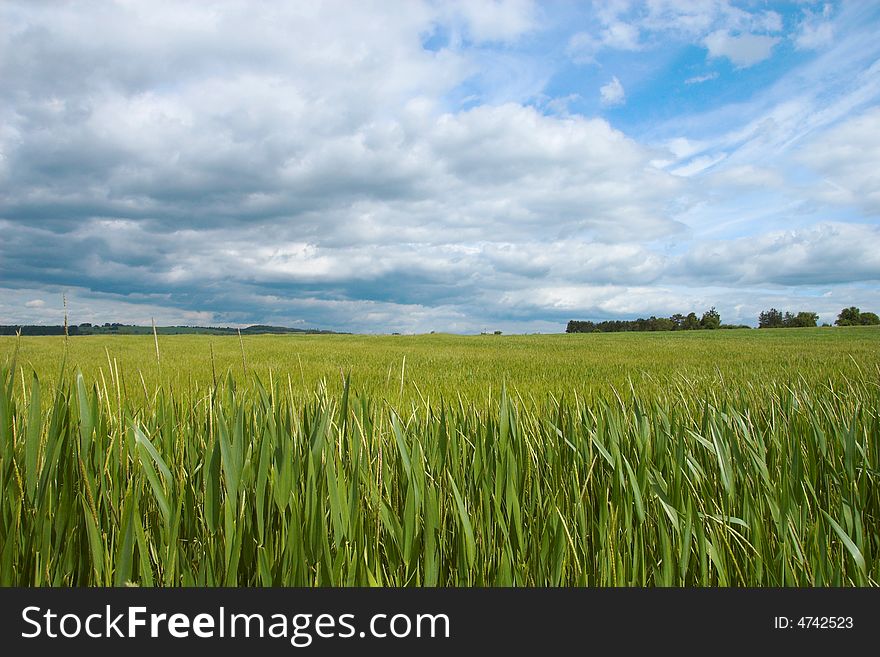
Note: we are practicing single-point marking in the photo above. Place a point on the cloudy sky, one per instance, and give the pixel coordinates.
(450, 166)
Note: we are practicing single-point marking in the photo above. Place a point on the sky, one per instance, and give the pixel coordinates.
(457, 166)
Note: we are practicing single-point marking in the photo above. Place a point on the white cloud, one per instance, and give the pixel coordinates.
(698, 165)
(682, 147)
(591, 300)
(583, 47)
(689, 19)
(35, 303)
(726, 29)
(211, 195)
(798, 107)
(612, 93)
(816, 30)
(747, 176)
(813, 37)
(742, 50)
(621, 36)
(496, 20)
(697, 79)
(848, 158)
(191, 165)
(769, 21)
(84, 305)
(561, 104)
(823, 254)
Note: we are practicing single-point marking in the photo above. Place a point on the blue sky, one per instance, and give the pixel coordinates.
(449, 166)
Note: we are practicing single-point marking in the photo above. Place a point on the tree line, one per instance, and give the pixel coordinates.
(710, 319)
(851, 316)
(776, 319)
(24, 329)
(116, 328)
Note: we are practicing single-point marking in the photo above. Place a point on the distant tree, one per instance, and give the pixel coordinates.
(869, 319)
(771, 319)
(711, 319)
(575, 326)
(677, 321)
(32, 330)
(805, 319)
(849, 317)
(691, 323)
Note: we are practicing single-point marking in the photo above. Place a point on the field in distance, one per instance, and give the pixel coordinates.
(469, 366)
(687, 458)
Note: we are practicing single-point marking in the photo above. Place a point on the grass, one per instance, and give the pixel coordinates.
(744, 458)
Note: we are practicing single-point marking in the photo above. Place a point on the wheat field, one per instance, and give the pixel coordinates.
(711, 458)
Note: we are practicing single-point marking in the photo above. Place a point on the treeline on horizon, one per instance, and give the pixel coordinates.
(772, 318)
(677, 322)
(116, 328)
(851, 316)
(710, 320)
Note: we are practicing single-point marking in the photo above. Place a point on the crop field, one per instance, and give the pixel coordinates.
(705, 458)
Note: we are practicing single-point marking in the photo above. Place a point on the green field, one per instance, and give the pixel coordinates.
(676, 459)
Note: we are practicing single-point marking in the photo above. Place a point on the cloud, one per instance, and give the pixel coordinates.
(562, 104)
(621, 36)
(689, 19)
(496, 20)
(749, 176)
(816, 30)
(742, 50)
(848, 159)
(775, 121)
(697, 79)
(698, 165)
(825, 254)
(725, 28)
(612, 93)
(35, 303)
(419, 168)
(695, 19)
(583, 47)
(593, 300)
(226, 194)
(814, 36)
(84, 305)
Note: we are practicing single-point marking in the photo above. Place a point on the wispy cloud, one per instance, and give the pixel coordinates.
(816, 29)
(697, 79)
